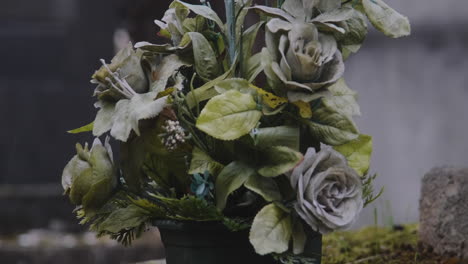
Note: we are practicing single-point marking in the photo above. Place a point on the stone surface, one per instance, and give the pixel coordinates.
(444, 211)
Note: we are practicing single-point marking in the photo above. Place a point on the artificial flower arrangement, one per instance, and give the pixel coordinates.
(212, 128)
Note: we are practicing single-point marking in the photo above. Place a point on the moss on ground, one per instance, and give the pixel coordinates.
(380, 245)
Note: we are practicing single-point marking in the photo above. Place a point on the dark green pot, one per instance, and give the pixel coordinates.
(209, 243)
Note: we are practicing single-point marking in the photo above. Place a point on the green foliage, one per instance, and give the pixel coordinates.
(229, 116)
(368, 189)
(271, 230)
(358, 153)
(278, 160)
(386, 19)
(330, 126)
(201, 141)
(231, 178)
(85, 128)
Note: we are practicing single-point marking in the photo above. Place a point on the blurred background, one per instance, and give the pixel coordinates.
(412, 92)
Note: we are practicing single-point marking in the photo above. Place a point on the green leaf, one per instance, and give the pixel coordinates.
(202, 162)
(278, 160)
(385, 19)
(287, 136)
(266, 187)
(205, 12)
(253, 67)
(271, 230)
(273, 12)
(229, 116)
(358, 153)
(248, 41)
(206, 91)
(206, 64)
(231, 178)
(332, 127)
(124, 218)
(355, 30)
(343, 99)
(298, 236)
(86, 128)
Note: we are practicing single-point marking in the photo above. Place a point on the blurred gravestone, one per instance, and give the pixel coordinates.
(443, 211)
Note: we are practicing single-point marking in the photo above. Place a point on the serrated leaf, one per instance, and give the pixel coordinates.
(85, 128)
(332, 127)
(205, 12)
(231, 178)
(343, 99)
(265, 187)
(287, 136)
(271, 230)
(279, 160)
(229, 116)
(386, 19)
(358, 153)
(201, 162)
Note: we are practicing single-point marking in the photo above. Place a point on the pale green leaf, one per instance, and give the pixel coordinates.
(201, 162)
(343, 99)
(329, 5)
(205, 12)
(355, 31)
(273, 12)
(271, 230)
(85, 128)
(287, 136)
(231, 178)
(248, 41)
(278, 160)
(206, 64)
(206, 91)
(386, 19)
(229, 116)
(298, 236)
(358, 153)
(332, 127)
(253, 67)
(266, 187)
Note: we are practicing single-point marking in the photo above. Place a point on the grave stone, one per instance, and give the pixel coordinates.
(444, 211)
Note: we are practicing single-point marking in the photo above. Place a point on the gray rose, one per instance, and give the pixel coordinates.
(329, 192)
(305, 60)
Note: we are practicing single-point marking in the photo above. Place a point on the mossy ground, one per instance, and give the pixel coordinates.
(380, 245)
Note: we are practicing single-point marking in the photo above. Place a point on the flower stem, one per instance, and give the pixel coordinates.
(231, 27)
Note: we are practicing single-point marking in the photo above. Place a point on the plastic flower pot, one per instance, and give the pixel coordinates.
(212, 243)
